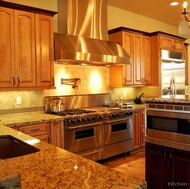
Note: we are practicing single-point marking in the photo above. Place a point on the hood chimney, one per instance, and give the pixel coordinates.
(82, 37)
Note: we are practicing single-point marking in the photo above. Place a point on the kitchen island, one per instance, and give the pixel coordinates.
(53, 167)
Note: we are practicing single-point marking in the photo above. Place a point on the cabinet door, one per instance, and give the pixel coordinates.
(127, 44)
(136, 130)
(142, 128)
(57, 134)
(180, 169)
(137, 58)
(146, 61)
(45, 138)
(166, 43)
(6, 47)
(178, 45)
(44, 50)
(25, 66)
(186, 64)
(157, 167)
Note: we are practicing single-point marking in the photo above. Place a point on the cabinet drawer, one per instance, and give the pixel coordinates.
(38, 129)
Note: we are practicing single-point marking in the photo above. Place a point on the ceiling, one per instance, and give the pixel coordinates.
(155, 9)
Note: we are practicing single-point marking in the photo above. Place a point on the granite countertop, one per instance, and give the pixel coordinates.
(53, 167)
(19, 119)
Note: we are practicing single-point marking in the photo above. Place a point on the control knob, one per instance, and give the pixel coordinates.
(71, 121)
(83, 119)
(115, 115)
(88, 119)
(93, 118)
(77, 120)
(100, 117)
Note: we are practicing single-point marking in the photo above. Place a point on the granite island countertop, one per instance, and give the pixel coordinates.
(53, 167)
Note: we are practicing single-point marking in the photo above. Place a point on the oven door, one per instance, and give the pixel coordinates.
(118, 137)
(118, 130)
(85, 137)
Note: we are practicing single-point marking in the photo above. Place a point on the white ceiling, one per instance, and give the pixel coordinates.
(155, 9)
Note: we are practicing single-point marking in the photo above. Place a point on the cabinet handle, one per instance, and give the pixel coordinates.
(166, 154)
(125, 81)
(57, 122)
(18, 81)
(171, 155)
(13, 81)
(34, 130)
(48, 139)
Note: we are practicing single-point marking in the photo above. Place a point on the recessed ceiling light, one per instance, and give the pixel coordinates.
(174, 3)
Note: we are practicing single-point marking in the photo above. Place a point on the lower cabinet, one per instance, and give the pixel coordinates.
(57, 134)
(138, 129)
(40, 131)
(167, 167)
(50, 132)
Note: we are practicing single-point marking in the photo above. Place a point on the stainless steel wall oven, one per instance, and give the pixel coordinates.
(168, 121)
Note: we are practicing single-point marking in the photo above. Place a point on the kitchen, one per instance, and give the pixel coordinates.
(31, 98)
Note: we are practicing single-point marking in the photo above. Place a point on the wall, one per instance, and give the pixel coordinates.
(118, 17)
(93, 79)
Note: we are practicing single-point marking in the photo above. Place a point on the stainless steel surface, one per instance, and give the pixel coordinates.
(94, 130)
(85, 40)
(89, 138)
(118, 134)
(77, 101)
(169, 122)
(172, 56)
(176, 137)
(172, 74)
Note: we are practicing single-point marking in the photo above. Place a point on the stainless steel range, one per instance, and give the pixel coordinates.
(94, 132)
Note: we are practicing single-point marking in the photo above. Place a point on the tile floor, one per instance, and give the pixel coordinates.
(133, 164)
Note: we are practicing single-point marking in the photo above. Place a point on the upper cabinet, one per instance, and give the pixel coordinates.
(171, 43)
(26, 48)
(137, 45)
(160, 40)
(44, 50)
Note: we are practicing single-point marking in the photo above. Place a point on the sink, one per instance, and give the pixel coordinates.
(13, 147)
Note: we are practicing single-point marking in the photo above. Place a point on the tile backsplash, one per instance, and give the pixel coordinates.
(94, 80)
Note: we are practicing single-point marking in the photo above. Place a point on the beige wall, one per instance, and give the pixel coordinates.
(93, 79)
(118, 17)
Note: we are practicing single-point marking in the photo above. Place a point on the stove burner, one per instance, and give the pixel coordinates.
(73, 112)
(78, 111)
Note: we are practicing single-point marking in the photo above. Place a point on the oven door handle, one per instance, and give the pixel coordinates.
(90, 153)
(118, 120)
(85, 126)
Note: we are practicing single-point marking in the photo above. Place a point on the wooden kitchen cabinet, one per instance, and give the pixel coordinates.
(41, 131)
(158, 41)
(186, 63)
(44, 50)
(138, 72)
(170, 43)
(167, 167)
(138, 129)
(26, 48)
(57, 133)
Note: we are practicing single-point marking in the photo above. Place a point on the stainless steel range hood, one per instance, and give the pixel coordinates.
(85, 41)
